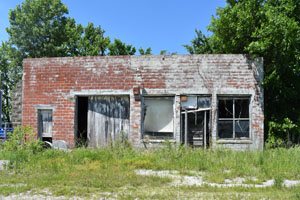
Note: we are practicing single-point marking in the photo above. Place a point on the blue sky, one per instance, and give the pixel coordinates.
(159, 24)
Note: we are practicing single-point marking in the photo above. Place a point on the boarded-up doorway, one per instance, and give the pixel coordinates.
(108, 119)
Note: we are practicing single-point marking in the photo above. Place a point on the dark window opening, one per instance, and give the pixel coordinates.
(225, 129)
(82, 121)
(233, 118)
(47, 139)
(241, 108)
(225, 108)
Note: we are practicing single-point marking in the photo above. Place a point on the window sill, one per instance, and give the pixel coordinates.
(158, 140)
(231, 141)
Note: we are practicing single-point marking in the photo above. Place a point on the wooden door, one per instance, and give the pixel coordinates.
(108, 118)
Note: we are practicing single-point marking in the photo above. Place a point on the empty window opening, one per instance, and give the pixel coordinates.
(158, 117)
(82, 121)
(45, 125)
(233, 118)
(195, 120)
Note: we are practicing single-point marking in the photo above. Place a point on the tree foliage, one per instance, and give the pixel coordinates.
(93, 42)
(268, 29)
(38, 27)
(119, 48)
(165, 52)
(145, 52)
(10, 73)
(200, 44)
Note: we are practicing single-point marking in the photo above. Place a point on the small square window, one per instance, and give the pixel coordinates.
(225, 129)
(241, 108)
(233, 117)
(242, 128)
(225, 108)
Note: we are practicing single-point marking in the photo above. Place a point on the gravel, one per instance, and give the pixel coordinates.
(197, 180)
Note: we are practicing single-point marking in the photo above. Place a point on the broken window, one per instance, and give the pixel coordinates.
(233, 118)
(45, 125)
(195, 112)
(158, 117)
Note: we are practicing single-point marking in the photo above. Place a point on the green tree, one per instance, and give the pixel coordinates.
(93, 42)
(165, 52)
(74, 34)
(200, 44)
(268, 29)
(145, 52)
(38, 27)
(41, 28)
(120, 48)
(10, 73)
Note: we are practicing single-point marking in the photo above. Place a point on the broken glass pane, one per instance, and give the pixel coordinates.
(242, 128)
(225, 108)
(204, 102)
(241, 108)
(225, 129)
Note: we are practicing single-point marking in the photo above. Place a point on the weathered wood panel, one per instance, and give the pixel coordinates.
(108, 116)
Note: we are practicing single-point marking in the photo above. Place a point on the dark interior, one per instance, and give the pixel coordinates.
(195, 129)
(82, 121)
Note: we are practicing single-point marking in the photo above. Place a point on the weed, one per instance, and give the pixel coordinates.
(84, 172)
(22, 139)
(278, 181)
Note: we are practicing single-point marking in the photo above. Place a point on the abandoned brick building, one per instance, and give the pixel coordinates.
(197, 100)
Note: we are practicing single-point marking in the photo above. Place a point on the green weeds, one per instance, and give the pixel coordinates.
(85, 172)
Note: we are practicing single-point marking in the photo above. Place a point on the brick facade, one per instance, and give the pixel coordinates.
(56, 82)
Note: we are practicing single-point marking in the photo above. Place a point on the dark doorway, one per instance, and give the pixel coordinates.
(82, 121)
(197, 128)
(195, 120)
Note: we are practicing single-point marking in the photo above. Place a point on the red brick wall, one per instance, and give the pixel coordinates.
(56, 81)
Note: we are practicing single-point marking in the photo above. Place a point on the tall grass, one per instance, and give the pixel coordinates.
(267, 163)
(83, 171)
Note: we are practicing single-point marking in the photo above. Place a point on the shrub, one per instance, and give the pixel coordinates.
(22, 139)
(282, 134)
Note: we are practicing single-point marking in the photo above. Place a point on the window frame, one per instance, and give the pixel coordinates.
(40, 131)
(234, 119)
(157, 138)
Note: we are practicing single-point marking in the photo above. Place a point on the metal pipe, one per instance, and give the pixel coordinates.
(204, 129)
(198, 110)
(186, 129)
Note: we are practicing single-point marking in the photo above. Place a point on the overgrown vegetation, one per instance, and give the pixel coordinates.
(108, 171)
